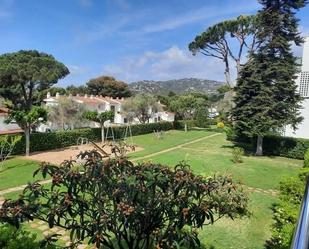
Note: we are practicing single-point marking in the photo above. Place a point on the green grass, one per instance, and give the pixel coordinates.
(16, 172)
(213, 155)
(151, 144)
(245, 233)
(208, 156)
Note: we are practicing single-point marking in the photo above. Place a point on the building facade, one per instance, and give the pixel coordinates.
(101, 104)
(303, 88)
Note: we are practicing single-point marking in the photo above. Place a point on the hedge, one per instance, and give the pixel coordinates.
(61, 139)
(274, 145)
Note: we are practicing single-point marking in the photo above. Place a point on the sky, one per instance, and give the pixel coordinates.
(128, 39)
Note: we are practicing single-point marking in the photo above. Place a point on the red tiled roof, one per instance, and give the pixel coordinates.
(14, 131)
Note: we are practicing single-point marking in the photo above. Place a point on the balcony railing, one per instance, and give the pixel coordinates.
(301, 235)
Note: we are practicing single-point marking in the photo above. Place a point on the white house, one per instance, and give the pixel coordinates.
(7, 128)
(303, 88)
(102, 104)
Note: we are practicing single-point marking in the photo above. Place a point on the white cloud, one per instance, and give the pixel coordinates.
(78, 70)
(173, 63)
(200, 14)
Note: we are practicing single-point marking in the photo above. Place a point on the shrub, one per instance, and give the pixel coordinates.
(306, 159)
(238, 153)
(13, 238)
(275, 145)
(220, 125)
(180, 124)
(230, 133)
(285, 212)
(117, 204)
(61, 139)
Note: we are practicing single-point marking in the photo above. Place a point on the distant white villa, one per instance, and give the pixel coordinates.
(102, 104)
(303, 88)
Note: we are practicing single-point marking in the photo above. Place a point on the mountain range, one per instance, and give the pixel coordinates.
(185, 85)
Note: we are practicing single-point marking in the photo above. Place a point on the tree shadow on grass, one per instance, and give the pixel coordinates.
(5, 168)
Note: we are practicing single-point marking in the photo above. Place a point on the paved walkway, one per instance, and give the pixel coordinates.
(19, 188)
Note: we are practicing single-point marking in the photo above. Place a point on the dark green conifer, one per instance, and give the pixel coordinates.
(266, 93)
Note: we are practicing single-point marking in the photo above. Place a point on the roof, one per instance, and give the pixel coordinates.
(4, 111)
(91, 100)
(13, 131)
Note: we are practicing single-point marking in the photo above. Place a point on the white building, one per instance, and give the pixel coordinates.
(303, 88)
(102, 104)
(7, 128)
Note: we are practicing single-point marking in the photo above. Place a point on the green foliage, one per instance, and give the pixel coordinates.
(216, 41)
(52, 90)
(7, 144)
(188, 106)
(141, 206)
(23, 74)
(66, 114)
(266, 97)
(13, 238)
(74, 90)
(201, 118)
(140, 106)
(285, 212)
(274, 145)
(238, 154)
(108, 86)
(29, 118)
(99, 117)
(61, 139)
(306, 159)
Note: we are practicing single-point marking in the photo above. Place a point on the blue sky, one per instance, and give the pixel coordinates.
(129, 39)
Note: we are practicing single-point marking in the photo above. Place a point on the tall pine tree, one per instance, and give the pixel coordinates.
(266, 97)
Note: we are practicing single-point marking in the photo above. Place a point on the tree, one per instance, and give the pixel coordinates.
(108, 86)
(22, 75)
(117, 204)
(74, 90)
(53, 91)
(100, 118)
(141, 106)
(217, 42)
(66, 112)
(7, 144)
(28, 120)
(188, 105)
(266, 98)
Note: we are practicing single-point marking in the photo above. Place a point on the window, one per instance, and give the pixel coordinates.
(125, 120)
(113, 108)
(304, 84)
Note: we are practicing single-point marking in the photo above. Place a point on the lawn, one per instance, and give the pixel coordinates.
(211, 154)
(17, 171)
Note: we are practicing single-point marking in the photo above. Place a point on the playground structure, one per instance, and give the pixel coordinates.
(158, 134)
(127, 136)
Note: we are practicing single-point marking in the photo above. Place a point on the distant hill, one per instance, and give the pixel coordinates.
(178, 86)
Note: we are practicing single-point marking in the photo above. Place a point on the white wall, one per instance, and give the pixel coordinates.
(5, 127)
(303, 128)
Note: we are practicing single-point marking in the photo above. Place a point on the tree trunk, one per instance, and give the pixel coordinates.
(227, 75)
(102, 134)
(238, 67)
(186, 127)
(259, 146)
(27, 135)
